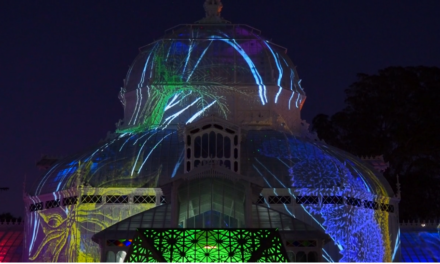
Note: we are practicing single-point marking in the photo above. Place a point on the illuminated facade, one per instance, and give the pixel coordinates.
(211, 140)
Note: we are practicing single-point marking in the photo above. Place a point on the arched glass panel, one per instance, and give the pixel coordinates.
(205, 143)
(312, 256)
(227, 164)
(219, 145)
(291, 256)
(212, 145)
(188, 140)
(197, 147)
(301, 256)
(110, 256)
(227, 147)
(120, 256)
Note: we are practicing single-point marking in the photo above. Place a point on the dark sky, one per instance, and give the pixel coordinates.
(62, 62)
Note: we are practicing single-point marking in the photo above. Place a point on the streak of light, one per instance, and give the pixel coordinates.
(200, 112)
(255, 74)
(125, 142)
(283, 163)
(275, 192)
(152, 151)
(190, 48)
(172, 117)
(397, 245)
(282, 184)
(139, 107)
(181, 157)
(198, 61)
(139, 153)
(280, 71)
(261, 175)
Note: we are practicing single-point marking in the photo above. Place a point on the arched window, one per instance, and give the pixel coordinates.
(212, 143)
(301, 256)
(110, 256)
(312, 256)
(291, 256)
(120, 256)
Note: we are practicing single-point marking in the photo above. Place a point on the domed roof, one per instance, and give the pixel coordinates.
(198, 70)
(278, 160)
(227, 54)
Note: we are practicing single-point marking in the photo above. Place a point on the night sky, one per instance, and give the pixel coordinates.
(62, 62)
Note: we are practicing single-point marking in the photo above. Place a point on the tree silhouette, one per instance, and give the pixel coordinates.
(395, 113)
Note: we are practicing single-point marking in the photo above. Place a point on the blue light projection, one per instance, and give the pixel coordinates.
(280, 71)
(420, 246)
(313, 171)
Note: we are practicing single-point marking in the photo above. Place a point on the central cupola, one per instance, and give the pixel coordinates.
(213, 9)
(212, 68)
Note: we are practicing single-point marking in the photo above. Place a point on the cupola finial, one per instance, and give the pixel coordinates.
(213, 9)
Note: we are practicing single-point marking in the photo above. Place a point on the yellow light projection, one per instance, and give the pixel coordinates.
(64, 234)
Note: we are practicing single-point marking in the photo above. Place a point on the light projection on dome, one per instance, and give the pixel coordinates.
(177, 92)
(420, 246)
(182, 84)
(280, 71)
(361, 233)
(64, 234)
(207, 246)
(173, 83)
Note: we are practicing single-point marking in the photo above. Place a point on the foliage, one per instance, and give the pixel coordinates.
(8, 218)
(394, 113)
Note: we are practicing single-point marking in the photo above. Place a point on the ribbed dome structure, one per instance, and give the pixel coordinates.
(211, 69)
(276, 159)
(211, 140)
(224, 54)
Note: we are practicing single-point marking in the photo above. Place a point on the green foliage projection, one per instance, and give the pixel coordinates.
(174, 84)
(207, 245)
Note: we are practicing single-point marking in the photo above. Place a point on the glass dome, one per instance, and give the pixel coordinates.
(277, 159)
(213, 53)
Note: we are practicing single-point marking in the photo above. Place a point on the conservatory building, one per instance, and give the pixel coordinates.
(211, 163)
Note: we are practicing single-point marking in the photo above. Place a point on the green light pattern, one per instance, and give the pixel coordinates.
(140, 253)
(207, 245)
(172, 86)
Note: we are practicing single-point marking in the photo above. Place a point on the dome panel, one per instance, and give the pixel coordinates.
(224, 54)
(137, 160)
(148, 159)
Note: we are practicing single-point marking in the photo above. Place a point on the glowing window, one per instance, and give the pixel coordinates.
(120, 256)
